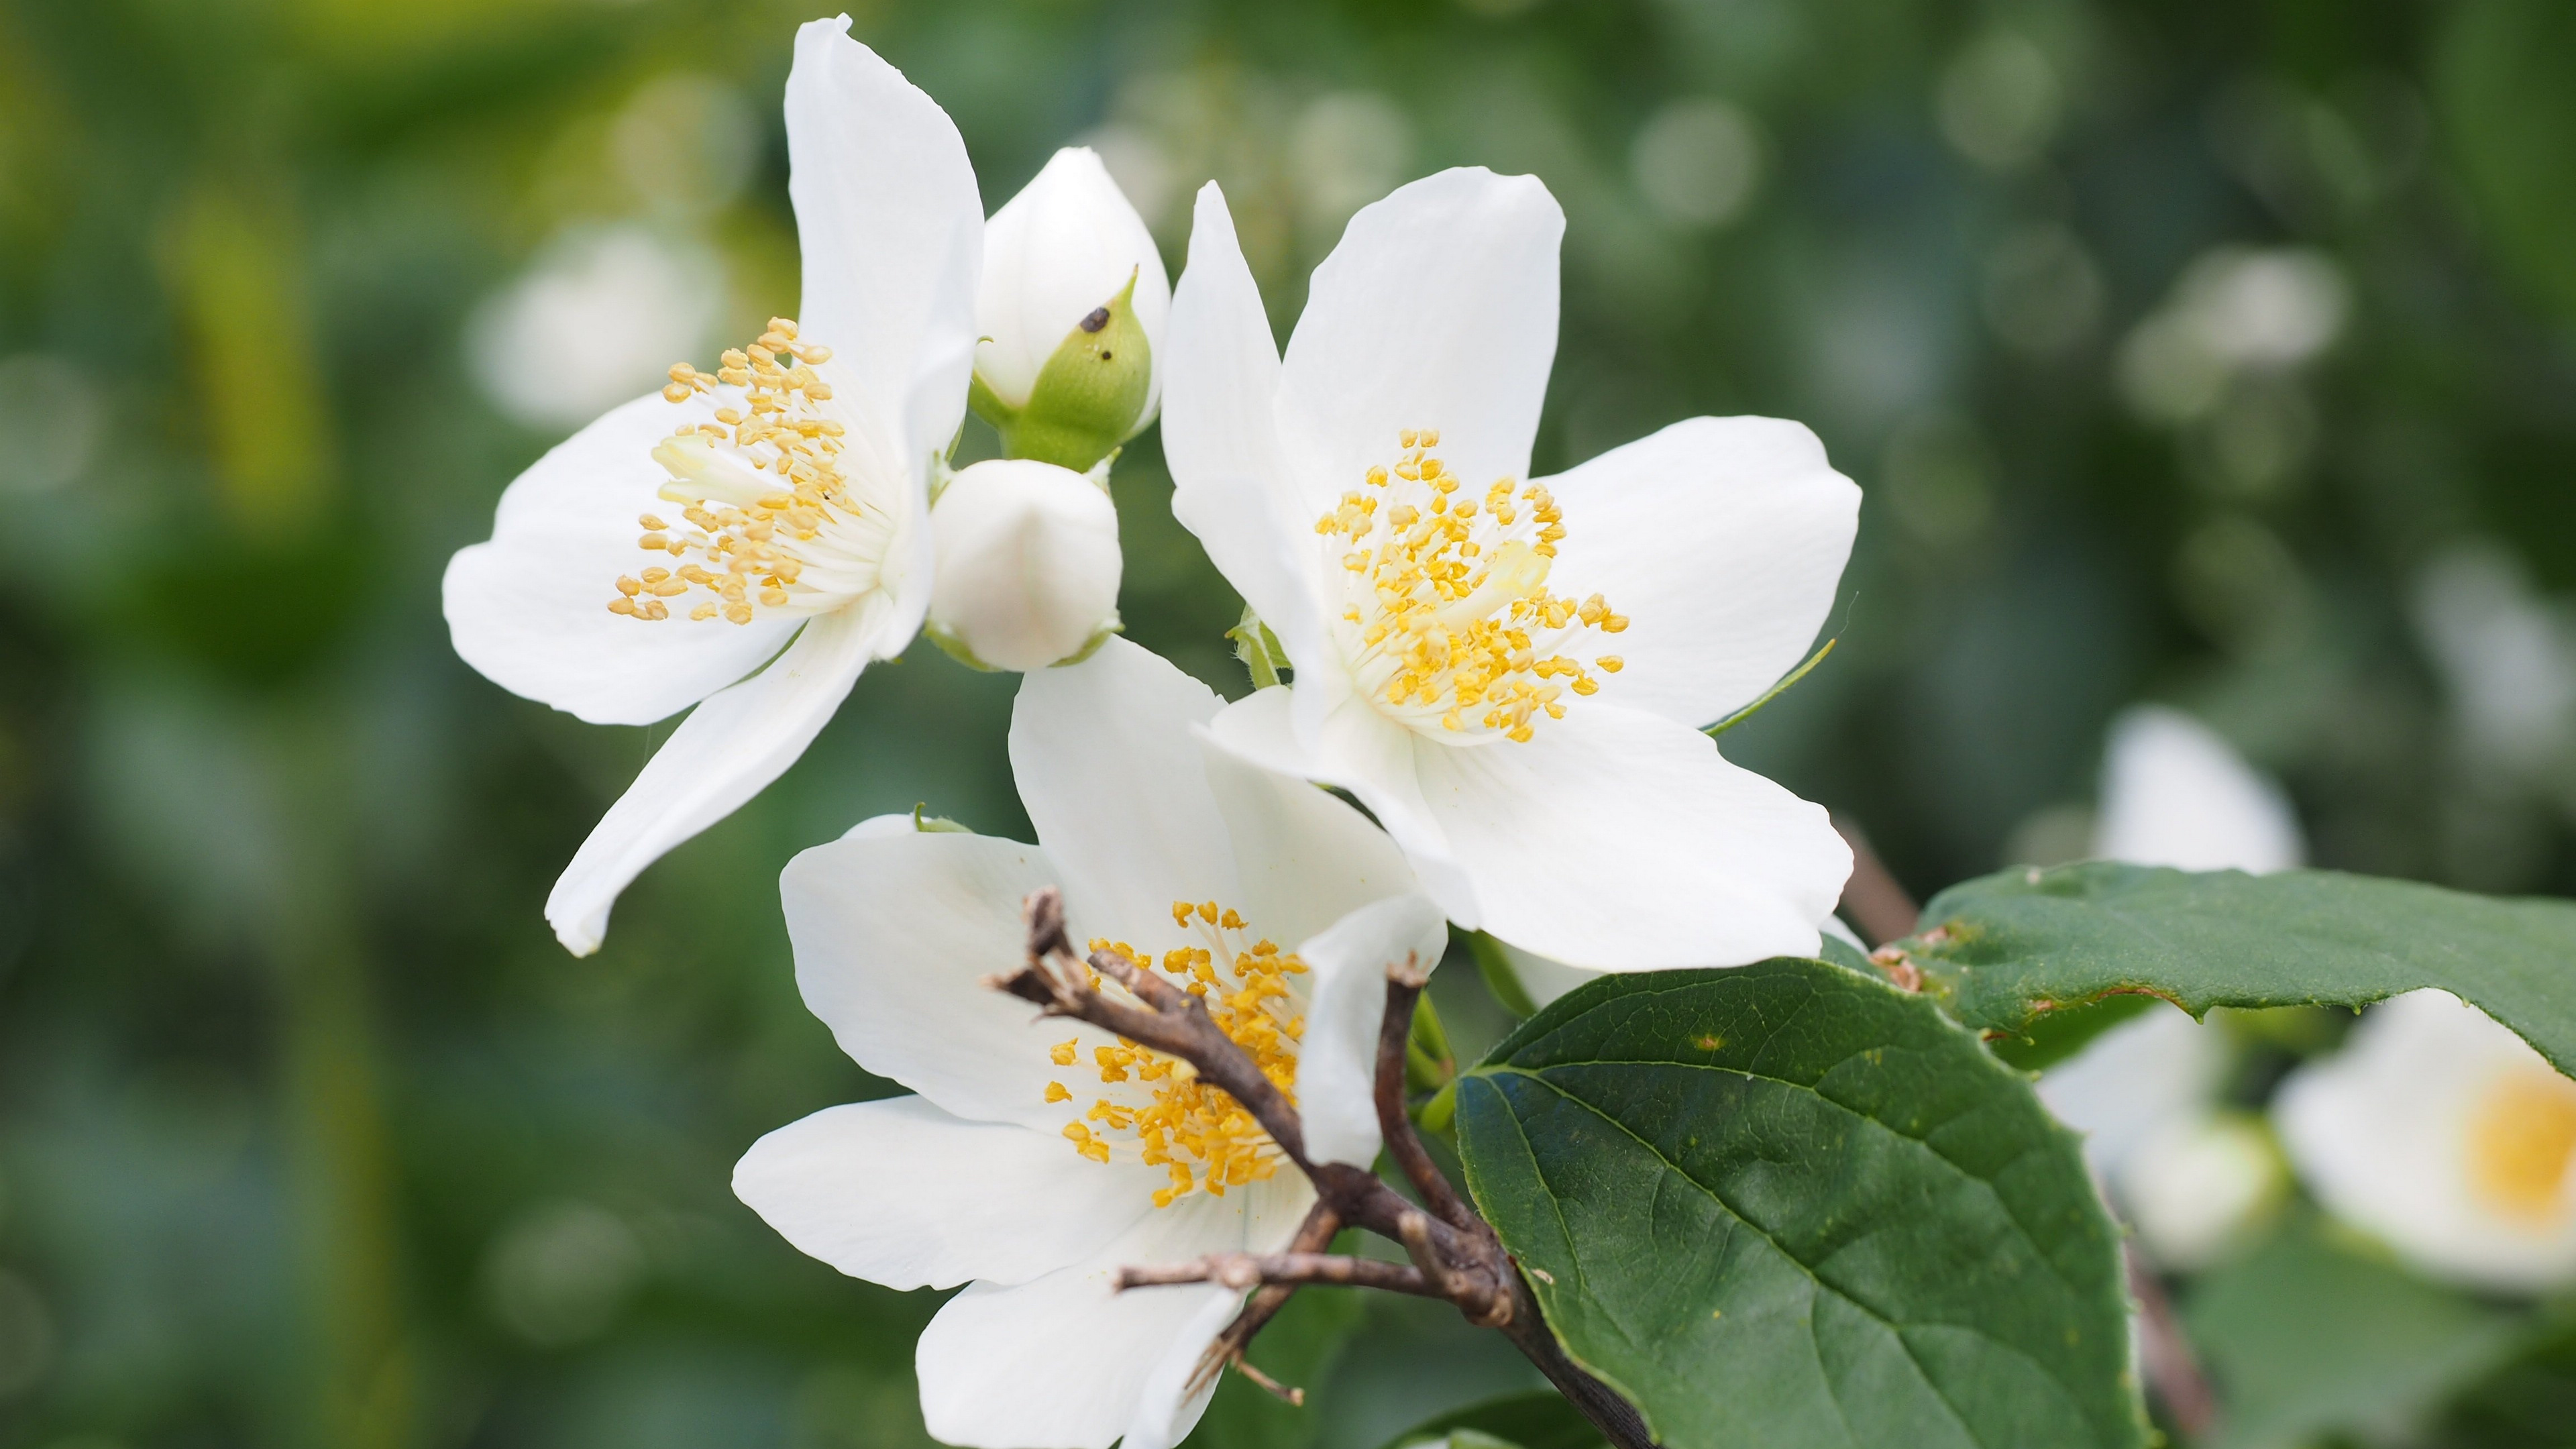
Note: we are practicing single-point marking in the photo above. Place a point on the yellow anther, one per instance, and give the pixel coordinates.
(1198, 1134)
(1058, 1092)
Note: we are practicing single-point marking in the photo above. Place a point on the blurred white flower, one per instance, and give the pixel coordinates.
(2197, 1185)
(1057, 258)
(1696, 161)
(1042, 1154)
(595, 320)
(1028, 563)
(2448, 1136)
(1459, 666)
(2234, 309)
(2504, 655)
(2174, 793)
(783, 499)
(560, 1272)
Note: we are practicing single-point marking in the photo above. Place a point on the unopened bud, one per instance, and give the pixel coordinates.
(1071, 308)
(1028, 565)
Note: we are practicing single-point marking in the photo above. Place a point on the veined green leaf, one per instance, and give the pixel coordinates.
(1787, 1206)
(2001, 950)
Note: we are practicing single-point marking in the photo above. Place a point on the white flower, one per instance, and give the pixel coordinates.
(1510, 675)
(2175, 793)
(1027, 1165)
(2444, 1133)
(1058, 259)
(1028, 563)
(779, 503)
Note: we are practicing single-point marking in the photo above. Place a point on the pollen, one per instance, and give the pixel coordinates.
(1449, 624)
(1159, 1112)
(2521, 1144)
(768, 516)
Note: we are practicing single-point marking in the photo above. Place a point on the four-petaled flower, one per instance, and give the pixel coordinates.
(1509, 673)
(780, 503)
(1042, 1155)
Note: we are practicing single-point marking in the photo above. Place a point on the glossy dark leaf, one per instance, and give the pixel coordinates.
(1786, 1205)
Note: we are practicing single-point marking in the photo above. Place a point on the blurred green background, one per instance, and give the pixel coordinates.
(2216, 351)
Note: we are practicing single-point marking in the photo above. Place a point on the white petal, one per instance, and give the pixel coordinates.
(1544, 979)
(529, 609)
(2134, 1080)
(2383, 1132)
(901, 1193)
(1066, 245)
(894, 935)
(1337, 1061)
(892, 232)
(721, 755)
(2174, 792)
(1364, 753)
(1109, 770)
(1220, 435)
(1437, 310)
(1305, 858)
(1063, 1363)
(1621, 841)
(1722, 540)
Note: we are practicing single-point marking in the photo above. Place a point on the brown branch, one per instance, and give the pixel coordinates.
(1313, 1235)
(1165, 1017)
(1873, 898)
(2173, 1370)
(1456, 1255)
(1249, 1270)
(1403, 992)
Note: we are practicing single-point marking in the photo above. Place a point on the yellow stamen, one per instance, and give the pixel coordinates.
(1452, 627)
(2522, 1143)
(1198, 1133)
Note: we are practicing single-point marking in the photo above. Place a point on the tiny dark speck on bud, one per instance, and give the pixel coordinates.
(1104, 354)
(1098, 319)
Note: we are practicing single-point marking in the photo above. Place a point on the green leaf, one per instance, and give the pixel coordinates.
(1787, 1206)
(1525, 1421)
(2001, 950)
(2310, 1335)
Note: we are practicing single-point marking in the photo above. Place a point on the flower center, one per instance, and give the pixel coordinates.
(2521, 1141)
(769, 518)
(1158, 1108)
(1447, 622)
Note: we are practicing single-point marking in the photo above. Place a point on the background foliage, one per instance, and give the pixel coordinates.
(2219, 353)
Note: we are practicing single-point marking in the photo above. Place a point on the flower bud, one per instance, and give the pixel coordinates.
(1071, 308)
(1028, 564)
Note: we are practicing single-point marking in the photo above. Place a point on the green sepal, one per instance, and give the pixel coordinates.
(1089, 398)
(1428, 1061)
(1260, 650)
(955, 648)
(1774, 692)
(936, 824)
(1092, 645)
(1496, 969)
(1440, 1114)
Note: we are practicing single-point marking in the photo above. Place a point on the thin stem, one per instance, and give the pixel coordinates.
(1456, 1255)
(1403, 989)
(1876, 902)
(1251, 1270)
